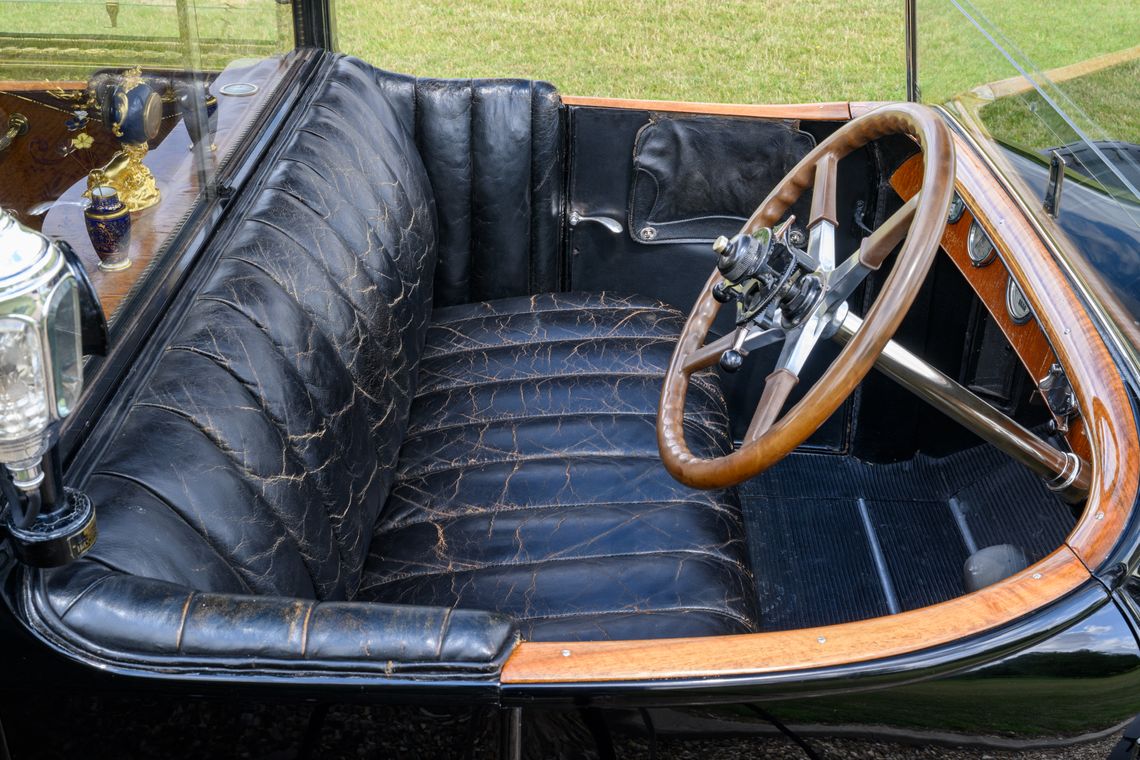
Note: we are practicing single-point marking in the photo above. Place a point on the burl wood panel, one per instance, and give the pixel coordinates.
(990, 282)
(172, 163)
(1115, 452)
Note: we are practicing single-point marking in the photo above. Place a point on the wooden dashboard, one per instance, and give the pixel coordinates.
(991, 281)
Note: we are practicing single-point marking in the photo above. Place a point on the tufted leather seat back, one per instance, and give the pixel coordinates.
(493, 151)
(261, 450)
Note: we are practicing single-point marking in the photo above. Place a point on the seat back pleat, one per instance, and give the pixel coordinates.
(271, 425)
(493, 151)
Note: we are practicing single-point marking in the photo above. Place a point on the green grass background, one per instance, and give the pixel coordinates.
(745, 51)
(729, 50)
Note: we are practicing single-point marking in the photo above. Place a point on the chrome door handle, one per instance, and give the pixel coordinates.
(612, 225)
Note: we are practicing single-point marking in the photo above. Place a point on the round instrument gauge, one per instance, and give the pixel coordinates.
(979, 247)
(1016, 304)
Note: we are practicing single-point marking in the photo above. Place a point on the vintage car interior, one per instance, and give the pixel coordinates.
(469, 383)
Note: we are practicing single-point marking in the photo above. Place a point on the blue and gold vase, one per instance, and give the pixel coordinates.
(132, 110)
(109, 227)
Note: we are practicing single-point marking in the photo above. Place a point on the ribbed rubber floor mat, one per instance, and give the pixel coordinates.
(834, 539)
(923, 550)
(797, 547)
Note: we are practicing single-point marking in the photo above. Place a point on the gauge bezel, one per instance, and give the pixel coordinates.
(972, 238)
(1012, 288)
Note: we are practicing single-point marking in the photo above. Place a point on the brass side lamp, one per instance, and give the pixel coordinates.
(49, 316)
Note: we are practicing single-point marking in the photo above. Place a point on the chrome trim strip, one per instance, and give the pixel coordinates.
(879, 559)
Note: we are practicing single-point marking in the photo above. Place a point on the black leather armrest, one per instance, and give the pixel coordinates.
(142, 618)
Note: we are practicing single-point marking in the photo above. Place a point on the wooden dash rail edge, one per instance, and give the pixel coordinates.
(1111, 430)
(808, 111)
(1107, 414)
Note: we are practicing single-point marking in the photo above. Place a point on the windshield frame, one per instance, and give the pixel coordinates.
(963, 111)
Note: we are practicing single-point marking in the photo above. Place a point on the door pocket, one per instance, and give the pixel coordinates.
(696, 177)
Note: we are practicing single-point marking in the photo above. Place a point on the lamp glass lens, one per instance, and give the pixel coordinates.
(23, 389)
(65, 340)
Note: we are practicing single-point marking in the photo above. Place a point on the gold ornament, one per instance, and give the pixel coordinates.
(131, 178)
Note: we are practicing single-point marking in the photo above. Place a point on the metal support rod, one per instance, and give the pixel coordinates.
(1063, 471)
(510, 733)
(911, 22)
(52, 497)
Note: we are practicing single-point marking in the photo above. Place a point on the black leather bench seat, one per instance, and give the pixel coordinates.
(318, 469)
(529, 480)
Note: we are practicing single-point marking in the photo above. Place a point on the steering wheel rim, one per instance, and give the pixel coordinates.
(921, 220)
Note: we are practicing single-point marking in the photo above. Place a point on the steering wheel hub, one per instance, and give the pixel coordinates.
(803, 294)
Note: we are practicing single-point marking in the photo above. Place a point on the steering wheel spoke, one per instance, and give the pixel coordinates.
(845, 279)
(798, 345)
(777, 387)
(879, 244)
(872, 252)
(800, 341)
(821, 247)
(823, 190)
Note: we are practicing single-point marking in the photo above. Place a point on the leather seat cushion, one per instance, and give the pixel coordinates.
(529, 481)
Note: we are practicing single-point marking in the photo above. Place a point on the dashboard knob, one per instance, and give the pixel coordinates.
(731, 360)
(720, 245)
(721, 293)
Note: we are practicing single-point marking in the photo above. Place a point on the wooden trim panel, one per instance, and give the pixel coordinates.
(860, 107)
(990, 283)
(1115, 454)
(1108, 418)
(807, 111)
(825, 646)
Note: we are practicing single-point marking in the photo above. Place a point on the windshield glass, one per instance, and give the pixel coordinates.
(120, 119)
(1035, 82)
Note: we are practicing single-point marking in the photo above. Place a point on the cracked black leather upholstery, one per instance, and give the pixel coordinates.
(320, 468)
(530, 482)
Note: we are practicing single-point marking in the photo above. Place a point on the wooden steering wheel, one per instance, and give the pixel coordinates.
(805, 299)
